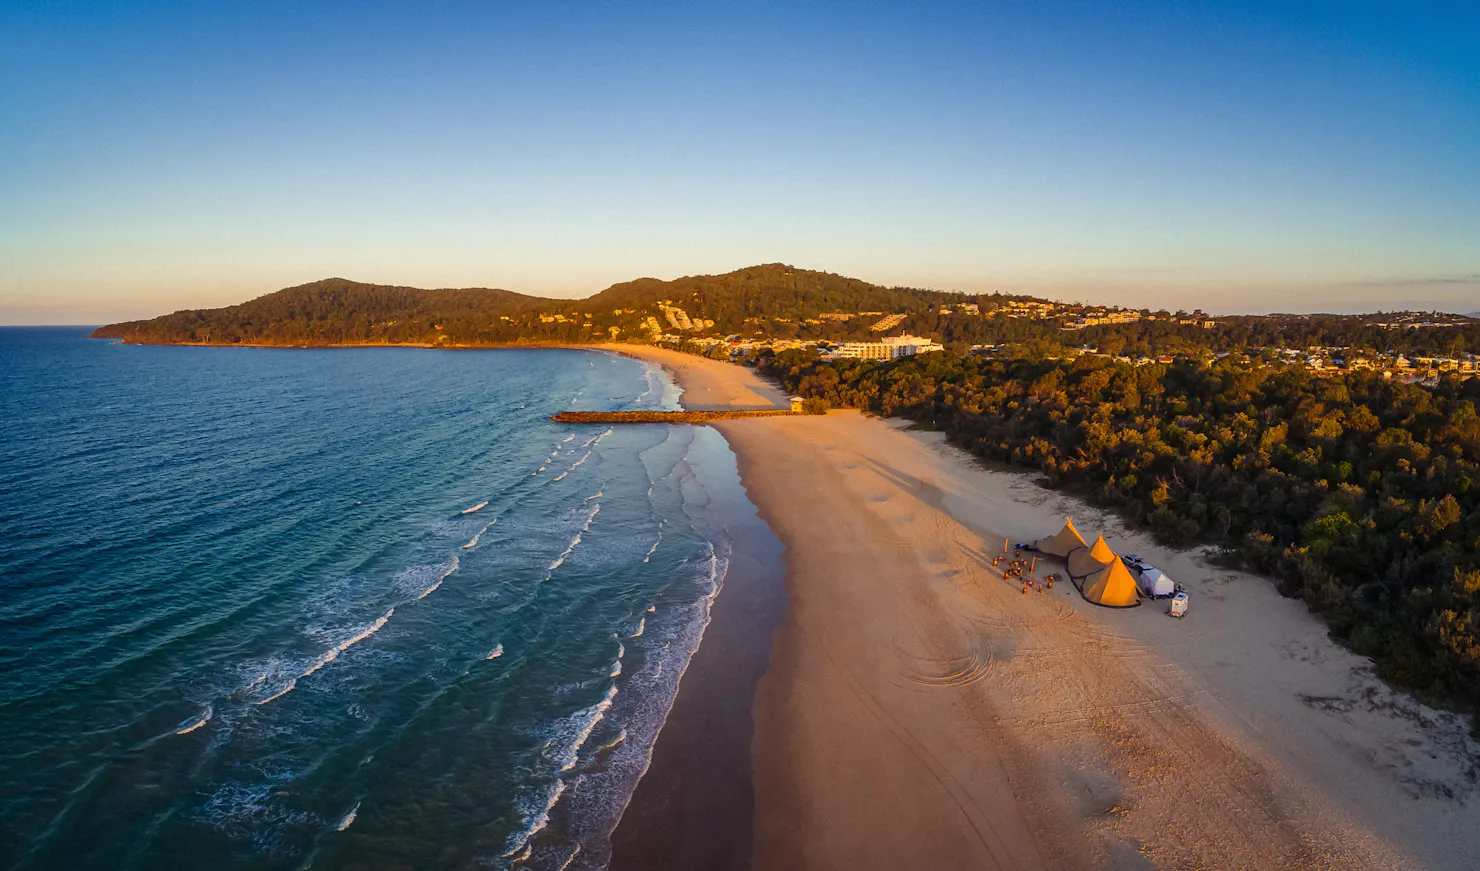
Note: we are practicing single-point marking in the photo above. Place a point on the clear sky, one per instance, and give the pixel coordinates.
(1282, 156)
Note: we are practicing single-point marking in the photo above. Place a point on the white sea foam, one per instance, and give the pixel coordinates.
(597, 495)
(641, 625)
(571, 858)
(535, 821)
(567, 438)
(616, 668)
(575, 542)
(286, 688)
(572, 733)
(349, 818)
(330, 655)
(584, 457)
(498, 650)
(421, 581)
(192, 724)
(654, 549)
(652, 383)
(621, 736)
(473, 542)
(574, 465)
(479, 506)
(560, 560)
(255, 813)
(600, 792)
(333, 653)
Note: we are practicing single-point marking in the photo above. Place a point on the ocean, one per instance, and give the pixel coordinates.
(338, 608)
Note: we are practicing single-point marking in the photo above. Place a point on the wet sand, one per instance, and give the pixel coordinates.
(694, 807)
(921, 712)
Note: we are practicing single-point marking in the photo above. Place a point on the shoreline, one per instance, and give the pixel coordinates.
(920, 712)
(694, 804)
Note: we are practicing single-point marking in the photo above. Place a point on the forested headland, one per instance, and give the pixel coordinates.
(772, 301)
(1359, 495)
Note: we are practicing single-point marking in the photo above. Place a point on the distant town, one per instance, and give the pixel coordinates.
(1073, 318)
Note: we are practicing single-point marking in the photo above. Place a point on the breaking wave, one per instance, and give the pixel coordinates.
(194, 723)
(574, 542)
(478, 507)
(536, 817)
(418, 582)
(590, 447)
(621, 736)
(571, 735)
(473, 542)
(330, 655)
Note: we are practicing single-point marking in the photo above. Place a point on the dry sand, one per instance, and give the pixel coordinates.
(921, 712)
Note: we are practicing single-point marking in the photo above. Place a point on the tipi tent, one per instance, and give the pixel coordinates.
(1111, 586)
(1061, 543)
(1088, 560)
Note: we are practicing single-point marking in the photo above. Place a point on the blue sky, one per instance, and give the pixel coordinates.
(1238, 157)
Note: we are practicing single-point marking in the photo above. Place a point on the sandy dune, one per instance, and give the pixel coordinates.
(921, 712)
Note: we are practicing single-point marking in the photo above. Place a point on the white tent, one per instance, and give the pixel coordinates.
(1155, 583)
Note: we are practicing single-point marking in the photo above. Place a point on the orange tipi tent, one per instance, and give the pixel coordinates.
(1088, 560)
(1061, 543)
(1112, 587)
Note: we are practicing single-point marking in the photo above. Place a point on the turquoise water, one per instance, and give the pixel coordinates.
(360, 608)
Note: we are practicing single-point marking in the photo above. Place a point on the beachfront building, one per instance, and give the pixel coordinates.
(891, 348)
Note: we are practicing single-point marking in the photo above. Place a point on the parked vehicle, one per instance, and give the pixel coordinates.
(1153, 582)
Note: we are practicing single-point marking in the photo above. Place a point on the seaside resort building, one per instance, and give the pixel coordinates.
(891, 348)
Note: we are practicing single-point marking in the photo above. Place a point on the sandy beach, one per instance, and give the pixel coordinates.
(919, 711)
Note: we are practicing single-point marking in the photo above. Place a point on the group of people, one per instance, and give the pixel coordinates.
(1019, 569)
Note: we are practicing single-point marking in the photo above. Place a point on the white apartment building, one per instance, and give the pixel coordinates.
(891, 348)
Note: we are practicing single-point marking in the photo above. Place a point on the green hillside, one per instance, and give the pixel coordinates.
(338, 311)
